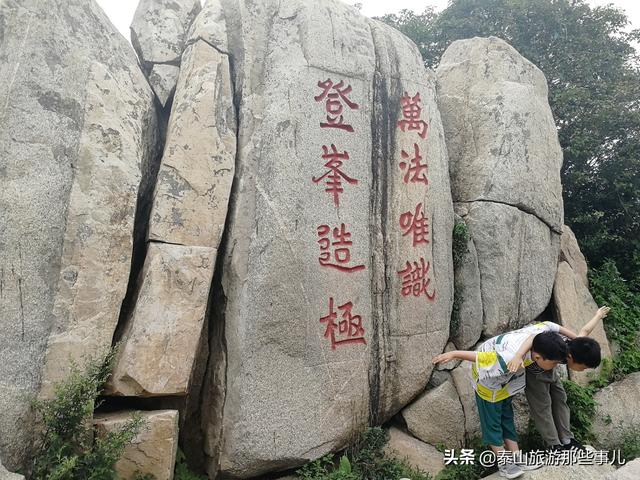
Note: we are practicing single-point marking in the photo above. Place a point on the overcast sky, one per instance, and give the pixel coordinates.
(121, 11)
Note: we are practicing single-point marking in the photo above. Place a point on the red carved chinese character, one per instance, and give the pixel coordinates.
(411, 111)
(417, 224)
(342, 245)
(415, 280)
(334, 175)
(350, 326)
(415, 171)
(333, 104)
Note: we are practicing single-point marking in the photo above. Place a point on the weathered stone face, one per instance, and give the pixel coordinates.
(159, 28)
(286, 220)
(77, 135)
(158, 34)
(160, 342)
(574, 307)
(505, 164)
(616, 415)
(570, 253)
(630, 471)
(502, 140)
(196, 172)
(435, 417)
(161, 338)
(517, 258)
(152, 451)
(418, 454)
(7, 475)
(463, 381)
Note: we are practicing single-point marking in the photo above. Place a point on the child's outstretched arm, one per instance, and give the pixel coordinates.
(517, 361)
(468, 355)
(588, 328)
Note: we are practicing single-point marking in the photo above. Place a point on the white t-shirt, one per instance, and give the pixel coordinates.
(492, 379)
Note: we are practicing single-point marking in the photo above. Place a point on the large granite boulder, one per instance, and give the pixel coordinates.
(517, 259)
(152, 451)
(505, 162)
(570, 253)
(335, 286)
(158, 351)
(462, 380)
(7, 475)
(629, 471)
(435, 417)
(616, 416)
(77, 140)
(574, 307)
(502, 139)
(158, 33)
(418, 454)
(161, 337)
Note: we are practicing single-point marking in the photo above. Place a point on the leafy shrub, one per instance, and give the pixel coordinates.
(630, 445)
(583, 409)
(66, 449)
(364, 460)
(623, 322)
(182, 471)
(460, 250)
(460, 243)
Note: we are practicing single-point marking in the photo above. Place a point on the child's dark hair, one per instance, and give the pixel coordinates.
(586, 351)
(551, 346)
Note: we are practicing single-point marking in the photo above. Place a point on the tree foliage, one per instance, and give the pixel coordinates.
(66, 449)
(593, 72)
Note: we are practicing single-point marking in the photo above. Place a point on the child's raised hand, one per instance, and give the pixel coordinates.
(602, 311)
(515, 364)
(443, 357)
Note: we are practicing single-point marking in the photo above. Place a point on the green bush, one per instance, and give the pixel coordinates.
(182, 471)
(630, 445)
(460, 249)
(364, 460)
(623, 321)
(66, 449)
(583, 409)
(460, 240)
(622, 325)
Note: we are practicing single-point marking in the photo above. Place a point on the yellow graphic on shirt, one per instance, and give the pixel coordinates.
(487, 359)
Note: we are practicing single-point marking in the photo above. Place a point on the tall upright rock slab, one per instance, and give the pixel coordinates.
(77, 134)
(505, 162)
(574, 307)
(161, 337)
(335, 286)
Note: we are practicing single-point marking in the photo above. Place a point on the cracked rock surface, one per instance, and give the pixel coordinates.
(152, 451)
(278, 356)
(158, 33)
(77, 139)
(505, 161)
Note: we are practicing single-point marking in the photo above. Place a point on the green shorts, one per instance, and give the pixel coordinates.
(496, 421)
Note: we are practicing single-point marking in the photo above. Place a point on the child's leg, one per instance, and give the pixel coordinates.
(561, 412)
(491, 423)
(508, 426)
(511, 439)
(540, 406)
